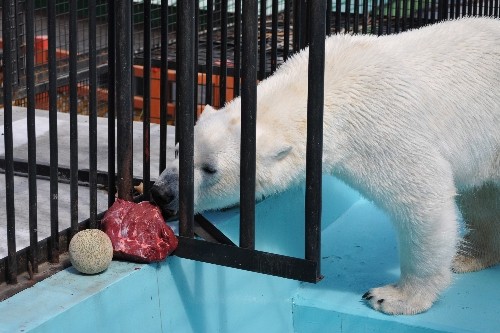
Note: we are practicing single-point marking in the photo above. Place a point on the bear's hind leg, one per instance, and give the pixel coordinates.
(480, 248)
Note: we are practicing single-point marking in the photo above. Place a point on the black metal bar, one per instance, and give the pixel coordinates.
(30, 87)
(286, 32)
(404, 20)
(262, 40)
(299, 25)
(347, 16)
(389, 17)
(209, 52)
(92, 114)
(381, 18)
(195, 64)
(123, 86)
(237, 48)
(54, 188)
(338, 15)
(329, 17)
(397, 20)
(185, 113)
(7, 24)
(250, 260)
(248, 125)
(356, 17)
(374, 17)
(412, 14)
(163, 86)
(274, 36)
(111, 103)
(419, 12)
(223, 54)
(364, 28)
(146, 115)
(73, 114)
(211, 231)
(314, 152)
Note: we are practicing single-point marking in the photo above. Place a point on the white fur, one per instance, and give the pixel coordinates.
(410, 120)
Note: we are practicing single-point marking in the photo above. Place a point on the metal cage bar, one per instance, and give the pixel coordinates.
(7, 23)
(248, 125)
(314, 153)
(185, 114)
(54, 156)
(123, 90)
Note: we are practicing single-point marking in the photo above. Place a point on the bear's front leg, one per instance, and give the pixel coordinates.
(427, 240)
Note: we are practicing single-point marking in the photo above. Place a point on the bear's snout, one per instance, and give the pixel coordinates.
(164, 192)
(162, 196)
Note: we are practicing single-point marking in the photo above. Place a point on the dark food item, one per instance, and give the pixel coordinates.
(138, 232)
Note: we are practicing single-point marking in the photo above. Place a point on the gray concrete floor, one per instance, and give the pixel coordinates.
(43, 150)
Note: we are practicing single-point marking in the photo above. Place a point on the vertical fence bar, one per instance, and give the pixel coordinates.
(412, 14)
(389, 17)
(146, 115)
(356, 17)
(223, 54)
(111, 102)
(338, 15)
(163, 85)
(185, 113)
(73, 116)
(374, 17)
(404, 16)
(397, 20)
(315, 102)
(381, 18)
(209, 52)
(123, 86)
(274, 36)
(248, 124)
(54, 158)
(196, 47)
(237, 48)
(286, 32)
(364, 28)
(329, 17)
(7, 23)
(347, 16)
(92, 116)
(30, 94)
(262, 41)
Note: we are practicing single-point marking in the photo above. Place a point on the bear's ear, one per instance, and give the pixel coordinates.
(280, 152)
(207, 111)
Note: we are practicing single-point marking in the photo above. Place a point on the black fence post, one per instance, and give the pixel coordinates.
(123, 97)
(111, 102)
(54, 152)
(163, 85)
(314, 153)
(248, 124)
(185, 113)
(7, 23)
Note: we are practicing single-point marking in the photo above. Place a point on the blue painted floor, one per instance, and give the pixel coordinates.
(359, 251)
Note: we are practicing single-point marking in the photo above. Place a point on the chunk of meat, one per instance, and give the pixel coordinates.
(138, 232)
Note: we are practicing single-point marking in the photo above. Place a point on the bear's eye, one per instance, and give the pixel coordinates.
(208, 169)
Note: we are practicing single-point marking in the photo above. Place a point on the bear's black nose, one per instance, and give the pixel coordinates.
(161, 195)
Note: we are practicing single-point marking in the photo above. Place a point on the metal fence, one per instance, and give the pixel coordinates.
(220, 42)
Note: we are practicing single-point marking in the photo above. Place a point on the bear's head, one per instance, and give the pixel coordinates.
(217, 162)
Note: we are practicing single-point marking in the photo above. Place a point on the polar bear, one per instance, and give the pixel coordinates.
(411, 120)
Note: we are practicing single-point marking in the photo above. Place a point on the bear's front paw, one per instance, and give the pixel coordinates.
(391, 299)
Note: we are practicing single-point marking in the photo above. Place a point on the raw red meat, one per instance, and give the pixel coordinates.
(138, 232)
